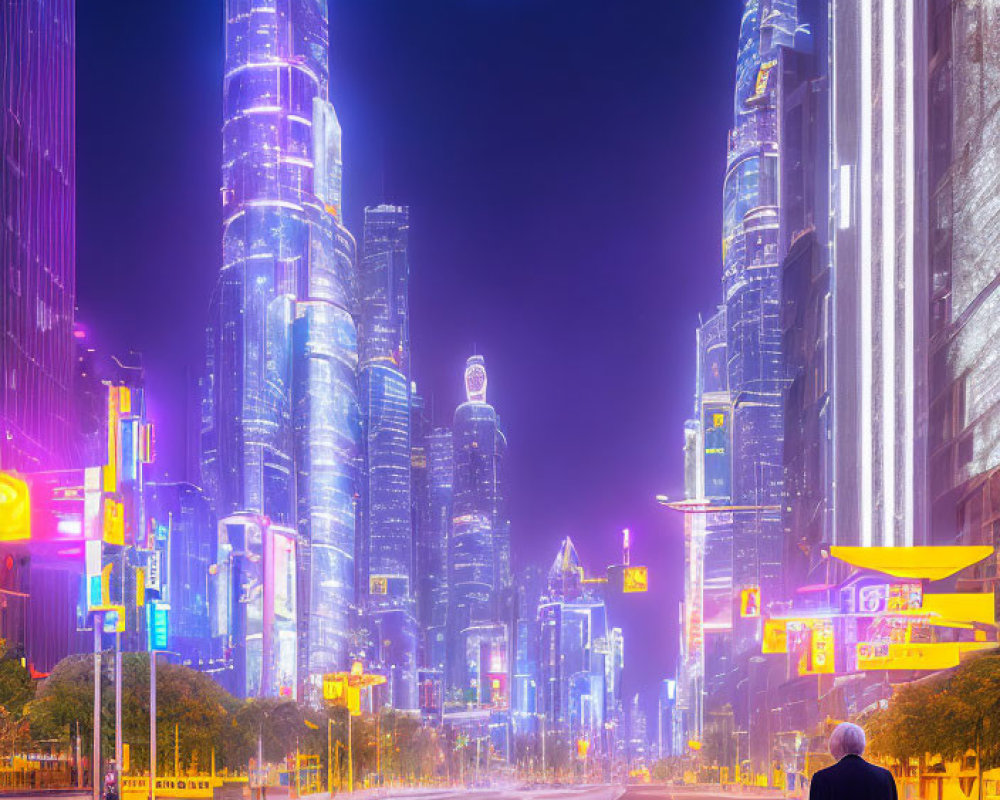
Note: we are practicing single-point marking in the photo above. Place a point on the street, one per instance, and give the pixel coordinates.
(642, 792)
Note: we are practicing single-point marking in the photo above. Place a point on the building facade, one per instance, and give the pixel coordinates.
(432, 549)
(963, 99)
(479, 542)
(280, 421)
(387, 544)
(38, 233)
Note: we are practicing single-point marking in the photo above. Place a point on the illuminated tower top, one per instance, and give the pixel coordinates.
(475, 379)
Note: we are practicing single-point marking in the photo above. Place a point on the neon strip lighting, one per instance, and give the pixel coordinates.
(272, 65)
(909, 173)
(865, 267)
(888, 202)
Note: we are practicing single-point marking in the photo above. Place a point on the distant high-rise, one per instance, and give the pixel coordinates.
(384, 287)
(432, 549)
(185, 543)
(479, 545)
(37, 232)
(280, 438)
(573, 650)
(387, 544)
(752, 293)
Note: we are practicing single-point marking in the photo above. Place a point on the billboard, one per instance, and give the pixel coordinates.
(15, 509)
(635, 579)
(775, 636)
(750, 602)
(875, 596)
(59, 507)
(715, 427)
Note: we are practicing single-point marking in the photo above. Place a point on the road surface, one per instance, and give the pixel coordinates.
(647, 792)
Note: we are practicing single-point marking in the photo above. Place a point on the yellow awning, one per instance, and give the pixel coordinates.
(932, 563)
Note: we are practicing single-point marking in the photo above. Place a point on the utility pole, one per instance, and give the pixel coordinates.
(350, 754)
(97, 620)
(177, 751)
(543, 748)
(118, 706)
(329, 755)
(79, 766)
(152, 725)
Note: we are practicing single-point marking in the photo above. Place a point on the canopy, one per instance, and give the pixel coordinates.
(932, 563)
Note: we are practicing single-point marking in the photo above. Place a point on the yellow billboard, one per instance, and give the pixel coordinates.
(750, 602)
(635, 579)
(378, 584)
(924, 656)
(822, 649)
(15, 508)
(775, 636)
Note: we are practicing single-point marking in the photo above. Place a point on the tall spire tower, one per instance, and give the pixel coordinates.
(280, 418)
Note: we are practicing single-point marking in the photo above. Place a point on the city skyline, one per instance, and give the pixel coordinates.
(447, 326)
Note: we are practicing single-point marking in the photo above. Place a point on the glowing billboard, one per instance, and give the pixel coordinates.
(715, 426)
(635, 579)
(750, 602)
(15, 509)
(775, 636)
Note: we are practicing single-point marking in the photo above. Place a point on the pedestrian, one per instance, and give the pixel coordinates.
(851, 778)
(111, 783)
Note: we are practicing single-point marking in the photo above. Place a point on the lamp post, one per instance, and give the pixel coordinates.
(344, 689)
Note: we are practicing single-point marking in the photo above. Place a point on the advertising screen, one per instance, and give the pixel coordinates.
(716, 434)
(750, 602)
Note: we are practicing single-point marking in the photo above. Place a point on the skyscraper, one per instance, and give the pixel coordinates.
(573, 650)
(479, 546)
(964, 236)
(751, 288)
(38, 232)
(881, 281)
(280, 419)
(432, 553)
(386, 501)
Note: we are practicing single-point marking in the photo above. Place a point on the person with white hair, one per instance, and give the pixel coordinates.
(851, 778)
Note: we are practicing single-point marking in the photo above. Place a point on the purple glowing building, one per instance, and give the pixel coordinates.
(38, 233)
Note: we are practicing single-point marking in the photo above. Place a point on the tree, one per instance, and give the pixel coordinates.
(949, 715)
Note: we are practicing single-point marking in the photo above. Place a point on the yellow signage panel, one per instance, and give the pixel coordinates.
(822, 660)
(15, 509)
(750, 602)
(775, 636)
(635, 579)
(925, 656)
(378, 585)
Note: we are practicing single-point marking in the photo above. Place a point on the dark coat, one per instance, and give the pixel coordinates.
(853, 778)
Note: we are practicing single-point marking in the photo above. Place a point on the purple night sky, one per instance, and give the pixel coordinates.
(563, 162)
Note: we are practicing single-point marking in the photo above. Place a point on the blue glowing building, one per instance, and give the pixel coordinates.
(432, 549)
(280, 422)
(478, 549)
(577, 651)
(387, 545)
(184, 547)
(752, 297)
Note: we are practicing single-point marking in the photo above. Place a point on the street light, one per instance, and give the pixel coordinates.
(344, 689)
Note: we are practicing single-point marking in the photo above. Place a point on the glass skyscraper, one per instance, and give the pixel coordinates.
(752, 294)
(280, 417)
(37, 232)
(432, 553)
(574, 651)
(387, 524)
(479, 546)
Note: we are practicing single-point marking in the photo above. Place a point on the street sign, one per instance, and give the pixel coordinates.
(635, 579)
(153, 572)
(158, 625)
